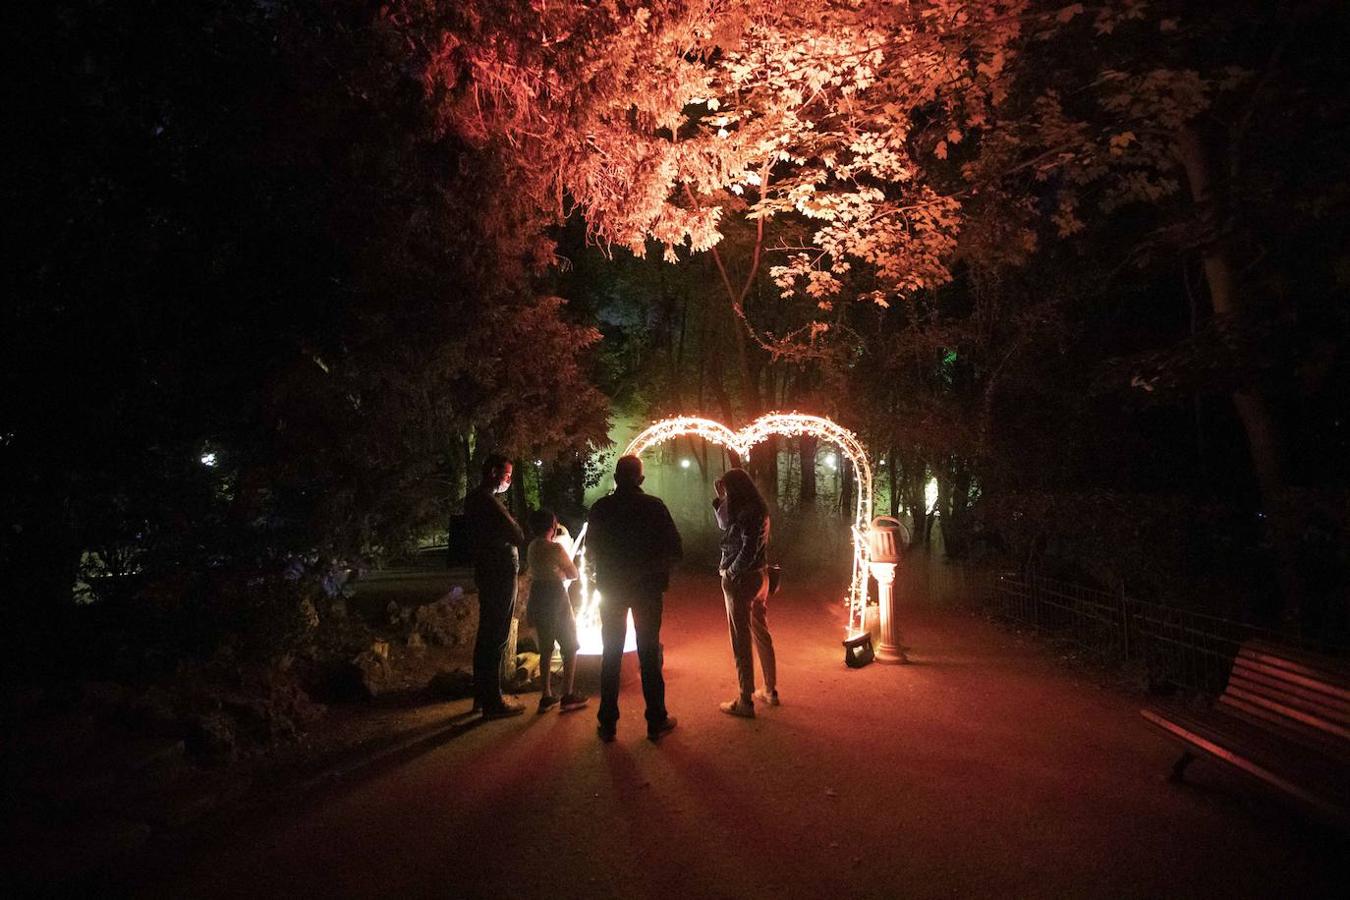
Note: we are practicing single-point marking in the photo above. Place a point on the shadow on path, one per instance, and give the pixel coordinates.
(980, 769)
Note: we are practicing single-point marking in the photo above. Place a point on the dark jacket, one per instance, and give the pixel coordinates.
(493, 535)
(631, 534)
(745, 538)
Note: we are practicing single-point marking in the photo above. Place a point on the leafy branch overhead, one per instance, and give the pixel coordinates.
(896, 137)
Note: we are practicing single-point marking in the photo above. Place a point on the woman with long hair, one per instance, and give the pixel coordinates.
(743, 517)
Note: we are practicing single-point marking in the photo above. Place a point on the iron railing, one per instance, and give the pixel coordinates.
(1181, 647)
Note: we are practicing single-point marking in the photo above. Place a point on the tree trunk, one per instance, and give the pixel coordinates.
(765, 458)
(807, 446)
(1252, 409)
(913, 478)
(895, 487)
(845, 489)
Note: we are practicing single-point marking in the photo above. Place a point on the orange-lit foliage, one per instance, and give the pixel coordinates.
(890, 130)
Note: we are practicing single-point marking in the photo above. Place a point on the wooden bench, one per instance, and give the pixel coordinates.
(1283, 719)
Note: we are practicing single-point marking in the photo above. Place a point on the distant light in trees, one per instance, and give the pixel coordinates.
(684, 464)
(930, 492)
(209, 460)
(831, 460)
(538, 462)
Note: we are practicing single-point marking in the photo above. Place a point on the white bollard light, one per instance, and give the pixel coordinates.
(884, 539)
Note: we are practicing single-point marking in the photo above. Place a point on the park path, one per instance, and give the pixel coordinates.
(982, 769)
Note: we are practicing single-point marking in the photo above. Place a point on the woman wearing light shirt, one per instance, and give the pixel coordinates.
(550, 610)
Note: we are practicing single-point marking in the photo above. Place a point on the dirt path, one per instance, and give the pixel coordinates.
(982, 769)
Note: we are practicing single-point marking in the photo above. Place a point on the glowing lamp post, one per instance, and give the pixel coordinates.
(884, 538)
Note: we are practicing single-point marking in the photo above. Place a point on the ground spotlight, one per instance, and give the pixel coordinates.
(858, 650)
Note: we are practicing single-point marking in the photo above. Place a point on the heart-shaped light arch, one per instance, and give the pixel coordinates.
(788, 425)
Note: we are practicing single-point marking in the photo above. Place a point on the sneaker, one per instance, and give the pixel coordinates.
(574, 701)
(547, 702)
(767, 697)
(664, 727)
(605, 732)
(739, 707)
(506, 710)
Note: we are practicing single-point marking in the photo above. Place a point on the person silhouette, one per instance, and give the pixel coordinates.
(634, 544)
(495, 538)
(743, 517)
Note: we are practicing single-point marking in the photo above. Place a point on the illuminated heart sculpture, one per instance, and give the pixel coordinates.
(788, 425)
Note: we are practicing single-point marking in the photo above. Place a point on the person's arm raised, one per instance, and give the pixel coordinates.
(752, 540)
(566, 567)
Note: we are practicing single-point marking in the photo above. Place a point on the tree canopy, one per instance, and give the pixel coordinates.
(342, 249)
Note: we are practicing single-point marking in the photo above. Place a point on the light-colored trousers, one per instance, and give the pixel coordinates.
(747, 620)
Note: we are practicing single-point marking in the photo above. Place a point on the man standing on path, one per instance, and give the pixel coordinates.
(634, 544)
(495, 537)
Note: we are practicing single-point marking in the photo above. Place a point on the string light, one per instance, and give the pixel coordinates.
(787, 425)
(589, 640)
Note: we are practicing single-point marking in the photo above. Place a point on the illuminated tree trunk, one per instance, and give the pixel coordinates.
(913, 472)
(845, 488)
(766, 459)
(895, 485)
(807, 446)
(1252, 409)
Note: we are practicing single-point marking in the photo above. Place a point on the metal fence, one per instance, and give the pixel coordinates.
(1182, 647)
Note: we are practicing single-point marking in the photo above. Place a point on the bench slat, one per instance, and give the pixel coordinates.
(1317, 672)
(1333, 667)
(1325, 704)
(1318, 742)
(1291, 682)
(1286, 706)
(1287, 729)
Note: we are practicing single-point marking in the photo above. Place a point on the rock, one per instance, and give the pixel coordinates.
(397, 614)
(213, 737)
(154, 752)
(528, 663)
(339, 681)
(450, 621)
(251, 715)
(375, 671)
(308, 614)
(184, 808)
(452, 684)
(153, 713)
(526, 674)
